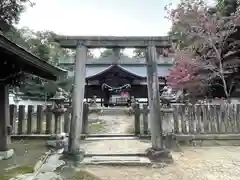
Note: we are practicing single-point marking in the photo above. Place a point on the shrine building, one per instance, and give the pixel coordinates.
(114, 80)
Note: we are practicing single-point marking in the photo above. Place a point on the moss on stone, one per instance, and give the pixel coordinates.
(93, 128)
(83, 175)
(9, 173)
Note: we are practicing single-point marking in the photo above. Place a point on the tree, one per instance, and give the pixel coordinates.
(227, 7)
(185, 75)
(41, 44)
(10, 11)
(109, 52)
(224, 7)
(106, 53)
(211, 49)
(139, 53)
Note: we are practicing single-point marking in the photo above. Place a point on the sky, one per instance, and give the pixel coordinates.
(99, 17)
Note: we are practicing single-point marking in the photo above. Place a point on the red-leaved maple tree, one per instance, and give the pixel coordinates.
(205, 59)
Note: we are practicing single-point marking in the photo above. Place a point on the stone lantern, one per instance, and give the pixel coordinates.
(94, 101)
(166, 98)
(58, 139)
(58, 111)
(16, 97)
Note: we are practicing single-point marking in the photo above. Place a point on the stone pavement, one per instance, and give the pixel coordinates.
(119, 146)
(116, 124)
(122, 151)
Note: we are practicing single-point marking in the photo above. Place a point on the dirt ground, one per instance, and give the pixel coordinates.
(192, 163)
(27, 153)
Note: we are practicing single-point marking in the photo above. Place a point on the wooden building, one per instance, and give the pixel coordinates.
(14, 64)
(115, 73)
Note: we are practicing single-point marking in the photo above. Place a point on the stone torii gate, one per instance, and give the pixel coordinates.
(82, 43)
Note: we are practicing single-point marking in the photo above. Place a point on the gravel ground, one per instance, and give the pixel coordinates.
(192, 163)
(115, 124)
(205, 163)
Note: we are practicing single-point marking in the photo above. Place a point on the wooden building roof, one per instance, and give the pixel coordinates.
(117, 70)
(26, 61)
(137, 70)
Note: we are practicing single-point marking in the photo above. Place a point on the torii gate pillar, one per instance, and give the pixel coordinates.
(78, 98)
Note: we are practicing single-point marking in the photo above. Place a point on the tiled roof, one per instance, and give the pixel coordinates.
(31, 63)
(138, 70)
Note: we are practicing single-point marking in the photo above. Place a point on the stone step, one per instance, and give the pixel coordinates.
(109, 135)
(117, 161)
(115, 154)
(110, 138)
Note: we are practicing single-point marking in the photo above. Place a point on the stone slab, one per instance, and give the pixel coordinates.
(110, 135)
(116, 154)
(6, 154)
(110, 138)
(116, 161)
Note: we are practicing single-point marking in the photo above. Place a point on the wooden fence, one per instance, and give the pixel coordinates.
(186, 119)
(194, 119)
(41, 121)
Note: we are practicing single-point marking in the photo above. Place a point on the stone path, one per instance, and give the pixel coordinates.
(115, 146)
(116, 125)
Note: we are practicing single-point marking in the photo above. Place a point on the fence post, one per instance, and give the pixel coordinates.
(206, 118)
(39, 119)
(191, 118)
(49, 119)
(176, 119)
(182, 110)
(137, 114)
(29, 119)
(213, 114)
(198, 118)
(21, 115)
(145, 119)
(12, 112)
(85, 119)
(237, 117)
(67, 119)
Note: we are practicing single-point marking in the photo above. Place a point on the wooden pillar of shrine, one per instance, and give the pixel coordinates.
(5, 129)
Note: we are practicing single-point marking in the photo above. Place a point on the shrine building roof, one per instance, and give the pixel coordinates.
(26, 61)
(135, 71)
